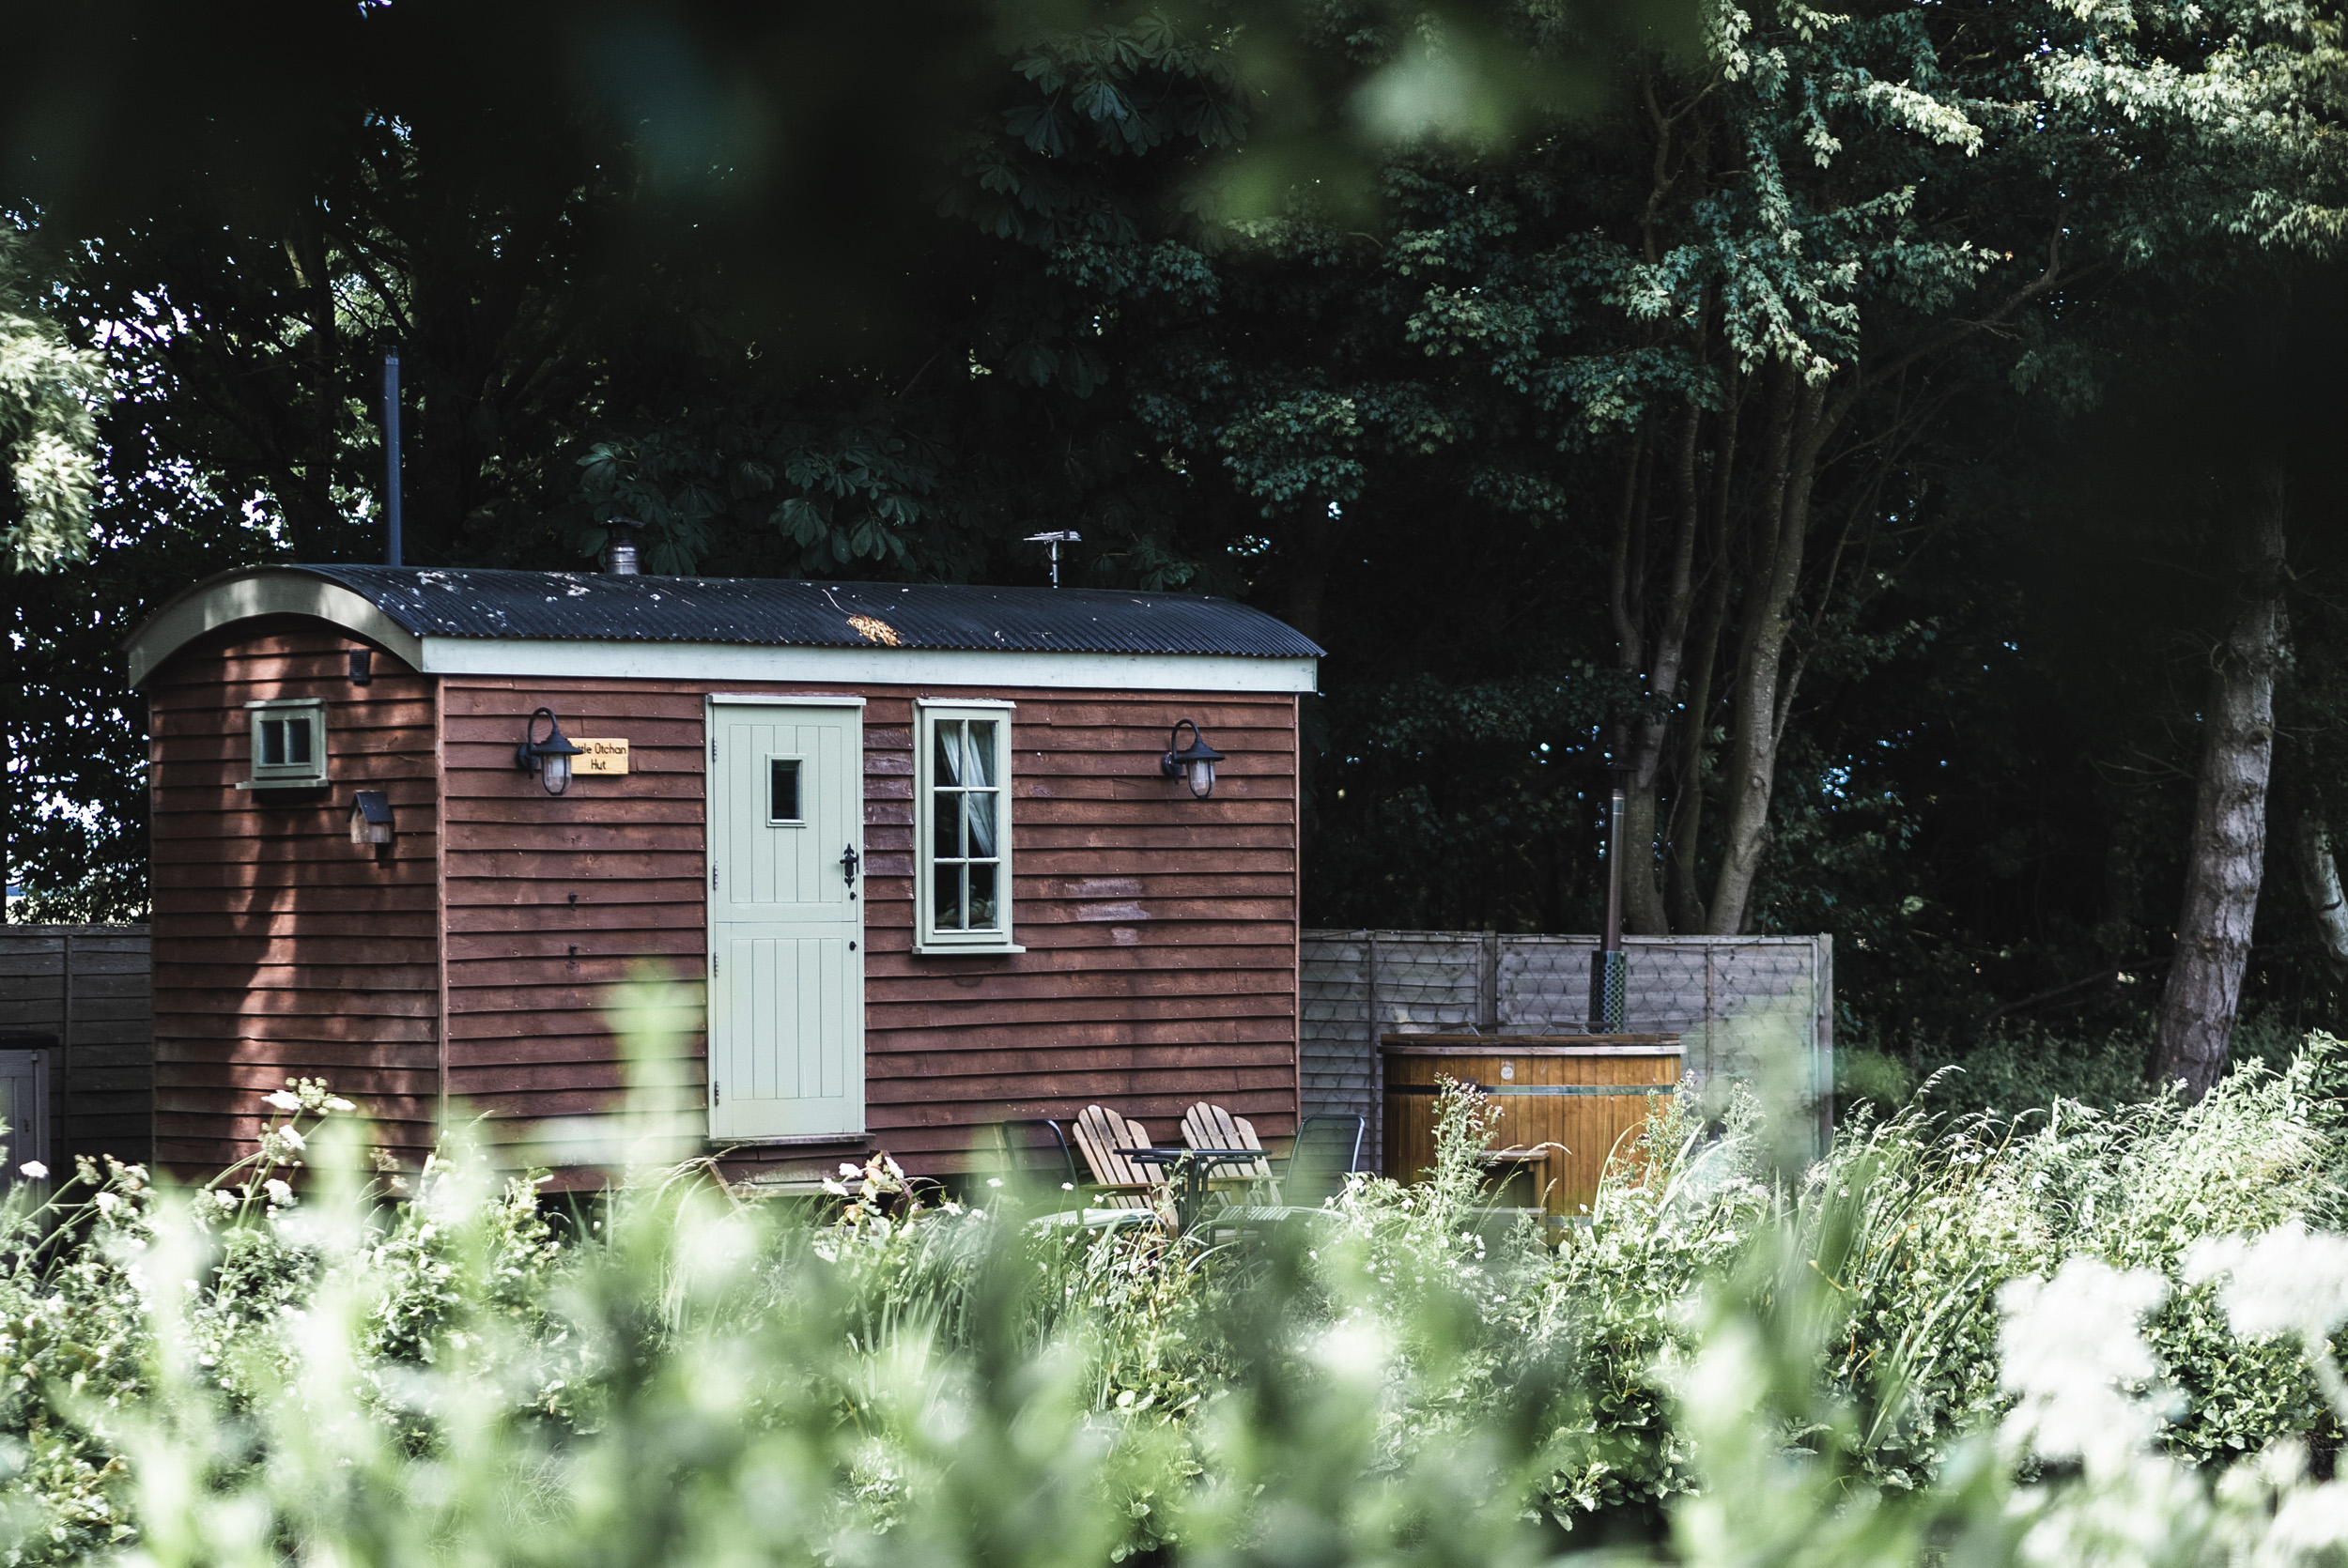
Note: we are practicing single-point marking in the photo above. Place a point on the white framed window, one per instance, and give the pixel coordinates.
(288, 744)
(961, 827)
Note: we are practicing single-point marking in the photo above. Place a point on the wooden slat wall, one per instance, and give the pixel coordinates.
(1161, 931)
(88, 986)
(282, 949)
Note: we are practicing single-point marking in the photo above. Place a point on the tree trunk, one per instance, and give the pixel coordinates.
(1313, 544)
(1664, 669)
(1798, 428)
(1682, 887)
(2229, 848)
(312, 513)
(2319, 878)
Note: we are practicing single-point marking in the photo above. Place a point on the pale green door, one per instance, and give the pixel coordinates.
(786, 920)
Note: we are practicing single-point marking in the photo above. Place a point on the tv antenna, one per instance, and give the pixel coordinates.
(1066, 536)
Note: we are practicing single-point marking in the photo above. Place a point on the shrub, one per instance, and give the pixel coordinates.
(1736, 1358)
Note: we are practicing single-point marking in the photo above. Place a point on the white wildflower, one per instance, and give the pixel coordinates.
(279, 1192)
(107, 1201)
(2291, 1279)
(2067, 1345)
(998, 1181)
(337, 1103)
(1357, 1352)
(34, 1171)
(2312, 1521)
(282, 1100)
(848, 1169)
(224, 1197)
(291, 1139)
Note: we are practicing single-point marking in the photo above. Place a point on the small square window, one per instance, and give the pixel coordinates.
(288, 744)
(783, 790)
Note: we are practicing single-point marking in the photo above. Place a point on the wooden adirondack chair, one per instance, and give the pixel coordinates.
(1326, 1149)
(1102, 1134)
(1212, 1127)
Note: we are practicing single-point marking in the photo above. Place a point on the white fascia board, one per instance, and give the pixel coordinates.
(180, 623)
(784, 699)
(601, 660)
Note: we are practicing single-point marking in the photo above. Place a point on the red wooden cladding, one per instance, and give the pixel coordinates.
(283, 950)
(485, 958)
(1160, 930)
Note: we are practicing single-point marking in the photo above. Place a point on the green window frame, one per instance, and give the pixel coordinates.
(288, 744)
(961, 827)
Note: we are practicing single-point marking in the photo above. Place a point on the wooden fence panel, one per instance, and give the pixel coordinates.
(1741, 1005)
(91, 990)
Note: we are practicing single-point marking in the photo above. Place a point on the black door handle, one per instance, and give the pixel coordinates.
(849, 861)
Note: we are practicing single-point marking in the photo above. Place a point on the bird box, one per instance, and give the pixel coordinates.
(370, 818)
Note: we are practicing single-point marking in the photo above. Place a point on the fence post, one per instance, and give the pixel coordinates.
(1377, 1057)
(1711, 1008)
(61, 1110)
(1488, 986)
(1822, 1045)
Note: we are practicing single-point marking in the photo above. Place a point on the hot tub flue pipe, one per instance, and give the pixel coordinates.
(1608, 968)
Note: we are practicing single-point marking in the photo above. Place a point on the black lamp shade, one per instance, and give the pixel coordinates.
(549, 758)
(1194, 763)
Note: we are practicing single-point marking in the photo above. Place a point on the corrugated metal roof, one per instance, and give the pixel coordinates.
(538, 605)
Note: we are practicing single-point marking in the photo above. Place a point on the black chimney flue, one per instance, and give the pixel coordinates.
(391, 457)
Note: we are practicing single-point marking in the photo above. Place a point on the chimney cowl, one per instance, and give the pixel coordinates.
(618, 555)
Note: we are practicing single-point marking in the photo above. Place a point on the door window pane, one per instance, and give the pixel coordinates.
(782, 790)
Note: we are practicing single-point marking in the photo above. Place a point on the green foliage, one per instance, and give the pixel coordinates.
(2026, 1067)
(1730, 1355)
(1385, 319)
(52, 391)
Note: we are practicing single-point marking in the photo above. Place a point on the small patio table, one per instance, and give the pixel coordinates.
(1190, 1172)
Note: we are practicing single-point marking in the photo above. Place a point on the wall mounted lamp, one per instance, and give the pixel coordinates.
(371, 818)
(551, 758)
(1195, 761)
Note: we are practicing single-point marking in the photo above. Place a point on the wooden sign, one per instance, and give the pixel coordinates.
(602, 759)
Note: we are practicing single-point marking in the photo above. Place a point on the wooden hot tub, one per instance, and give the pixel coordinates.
(1583, 1096)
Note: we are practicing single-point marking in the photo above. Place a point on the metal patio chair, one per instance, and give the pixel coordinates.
(1037, 1149)
(1328, 1149)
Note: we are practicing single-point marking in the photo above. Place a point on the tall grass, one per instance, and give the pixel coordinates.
(1738, 1359)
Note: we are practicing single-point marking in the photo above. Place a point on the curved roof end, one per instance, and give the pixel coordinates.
(258, 591)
